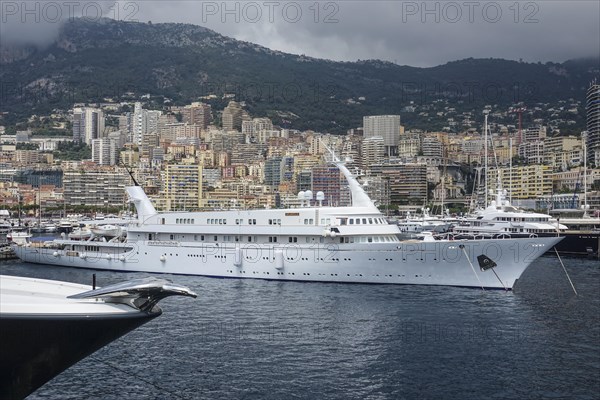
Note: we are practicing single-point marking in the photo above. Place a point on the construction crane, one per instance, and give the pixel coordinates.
(519, 111)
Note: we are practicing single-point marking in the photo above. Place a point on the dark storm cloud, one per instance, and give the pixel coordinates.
(38, 22)
(405, 32)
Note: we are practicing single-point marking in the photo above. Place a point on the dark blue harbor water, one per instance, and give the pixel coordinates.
(253, 339)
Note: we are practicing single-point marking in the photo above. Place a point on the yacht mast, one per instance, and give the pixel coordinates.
(510, 187)
(585, 206)
(485, 162)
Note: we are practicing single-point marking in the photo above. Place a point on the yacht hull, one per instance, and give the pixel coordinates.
(35, 348)
(579, 244)
(440, 262)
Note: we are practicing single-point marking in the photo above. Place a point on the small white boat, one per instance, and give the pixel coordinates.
(106, 230)
(18, 237)
(80, 234)
(51, 228)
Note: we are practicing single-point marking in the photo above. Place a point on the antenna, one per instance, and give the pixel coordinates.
(130, 173)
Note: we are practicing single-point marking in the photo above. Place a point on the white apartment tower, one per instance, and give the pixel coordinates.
(105, 151)
(143, 122)
(88, 124)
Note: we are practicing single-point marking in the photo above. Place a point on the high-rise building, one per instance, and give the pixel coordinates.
(386, 126)
(522, 182)
(372, 151)
(432, 147)
(105, 151)
(233, 115)
(143, 122)
(95, 187)
(182, 187)
(172, 132)
(409, 145)
(327, 179)
(304, 181)
(593, 124)
(406, 183)
(253, 129)
(36, 176)
(196, 114)
(88, 124)
(273, 171)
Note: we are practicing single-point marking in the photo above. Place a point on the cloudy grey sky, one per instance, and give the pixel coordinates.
(414, 33)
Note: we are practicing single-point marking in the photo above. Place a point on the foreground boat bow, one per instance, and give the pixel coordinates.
(47, 326)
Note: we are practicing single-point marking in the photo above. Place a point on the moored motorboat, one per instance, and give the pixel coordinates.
(47, 326)
(80, 234)
(18, 237)
(107, 230)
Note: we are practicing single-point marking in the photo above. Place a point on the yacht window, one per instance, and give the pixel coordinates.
(216, 238)
(364, 220)
(370, 221)
(343, 221)
(249, 238)
(237, 238)
(351, 221)
(310, 221)
(171, 237)
(370, 239)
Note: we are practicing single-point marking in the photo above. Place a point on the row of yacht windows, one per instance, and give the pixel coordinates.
(240, 221)
(362, 221)
(519, 219)
(275, 239)
(189, 221)
(531, 230)
(307, 221)
(368, 239)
